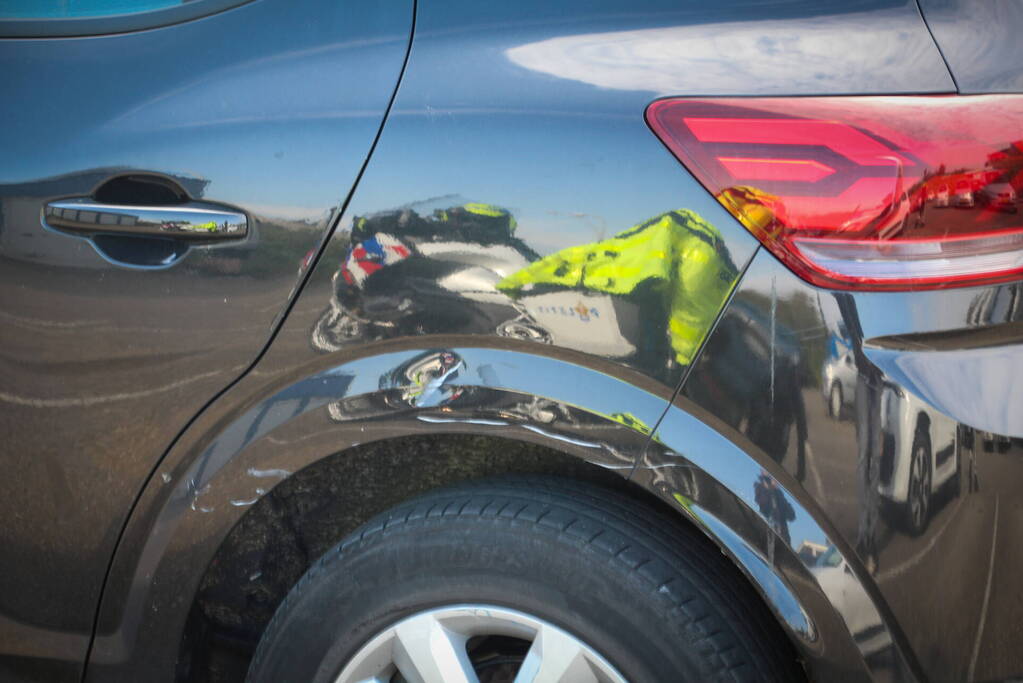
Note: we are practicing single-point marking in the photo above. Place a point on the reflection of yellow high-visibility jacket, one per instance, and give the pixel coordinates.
(678, 248)
(632, 422)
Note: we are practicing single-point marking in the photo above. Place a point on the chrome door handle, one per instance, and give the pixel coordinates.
(192, 221)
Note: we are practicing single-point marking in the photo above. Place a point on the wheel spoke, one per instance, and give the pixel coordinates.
(426, 652)
(555, 657)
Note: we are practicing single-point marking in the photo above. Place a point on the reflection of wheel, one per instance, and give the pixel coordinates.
(333, 330)
(522, 580)
(835, 401)
(525, 330)
(918, 497)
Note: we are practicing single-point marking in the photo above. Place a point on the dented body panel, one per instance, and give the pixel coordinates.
(521, 261)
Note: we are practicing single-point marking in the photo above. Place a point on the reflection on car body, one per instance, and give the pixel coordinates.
(919, 456)
(836, 577)
(649, 294)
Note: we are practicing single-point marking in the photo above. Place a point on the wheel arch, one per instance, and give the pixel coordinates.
(574, 419)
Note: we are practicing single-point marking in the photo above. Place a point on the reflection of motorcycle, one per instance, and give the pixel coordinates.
(463, 268)
(409, 274)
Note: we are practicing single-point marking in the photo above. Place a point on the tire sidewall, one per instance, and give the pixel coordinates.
(374, 585)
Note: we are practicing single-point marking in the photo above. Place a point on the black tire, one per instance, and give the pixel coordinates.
(836, 401)
(653, 597)
(919, 492)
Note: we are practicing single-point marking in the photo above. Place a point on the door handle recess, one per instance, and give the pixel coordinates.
(192, 221)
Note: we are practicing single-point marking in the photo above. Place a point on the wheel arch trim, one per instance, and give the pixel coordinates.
(228, 459)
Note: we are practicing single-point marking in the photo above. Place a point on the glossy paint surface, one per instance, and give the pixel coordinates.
(102, 361)
(980, 41)
(522, 258)
(853, 192)
(895, 417)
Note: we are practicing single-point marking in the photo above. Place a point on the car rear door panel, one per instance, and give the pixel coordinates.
(269, 109)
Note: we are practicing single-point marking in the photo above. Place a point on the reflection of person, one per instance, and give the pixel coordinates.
(673, 266)
(773, 505)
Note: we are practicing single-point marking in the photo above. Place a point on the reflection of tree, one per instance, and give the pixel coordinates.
(800, 322)
(751, 376)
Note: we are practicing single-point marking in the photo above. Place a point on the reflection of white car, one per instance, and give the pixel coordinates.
(941, 197)
(919, 455)
(839, 373)
(844, 590)
(963, 195)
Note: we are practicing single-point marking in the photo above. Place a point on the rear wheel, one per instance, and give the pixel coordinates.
(523, 580)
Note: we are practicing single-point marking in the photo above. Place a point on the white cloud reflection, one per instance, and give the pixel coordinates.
(875, 52)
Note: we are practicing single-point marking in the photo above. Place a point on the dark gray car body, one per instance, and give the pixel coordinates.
(154, 417)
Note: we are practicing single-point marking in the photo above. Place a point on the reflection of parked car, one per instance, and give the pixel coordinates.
(919, 455)
(839, 373)
(999, 196)
(963, 196)
(941, 197)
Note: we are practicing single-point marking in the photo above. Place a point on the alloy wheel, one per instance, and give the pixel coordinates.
(450, 645)
(919, 487)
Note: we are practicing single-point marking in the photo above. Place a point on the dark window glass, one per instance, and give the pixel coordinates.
(71, 9)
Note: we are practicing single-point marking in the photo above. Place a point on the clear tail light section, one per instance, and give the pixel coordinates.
(903, 192)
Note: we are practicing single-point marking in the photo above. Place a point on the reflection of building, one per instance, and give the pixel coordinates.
(809, 552)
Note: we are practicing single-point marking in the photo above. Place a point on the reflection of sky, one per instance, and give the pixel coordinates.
(278, 114)
(981, 42)
(35, 9)
(838, 53)
(567, 181)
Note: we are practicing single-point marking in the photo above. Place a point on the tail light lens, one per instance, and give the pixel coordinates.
(864, 192)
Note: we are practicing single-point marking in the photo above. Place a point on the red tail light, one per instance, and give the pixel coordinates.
(864, 192)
